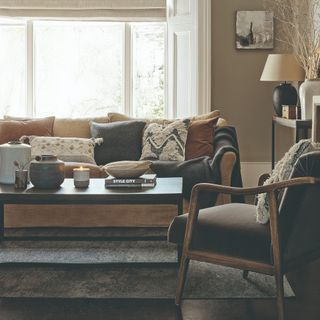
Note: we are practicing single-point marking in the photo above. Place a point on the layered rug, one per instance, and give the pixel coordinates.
(117, 270)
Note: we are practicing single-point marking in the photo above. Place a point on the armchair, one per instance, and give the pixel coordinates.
(229, 234)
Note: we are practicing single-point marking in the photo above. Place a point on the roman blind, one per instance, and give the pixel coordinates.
(85, 9)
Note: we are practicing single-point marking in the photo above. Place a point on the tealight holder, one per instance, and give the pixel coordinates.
(81, 177)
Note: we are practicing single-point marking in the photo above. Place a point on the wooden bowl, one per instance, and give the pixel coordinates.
(127, 169)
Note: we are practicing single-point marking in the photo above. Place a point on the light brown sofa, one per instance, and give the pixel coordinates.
(101, 215)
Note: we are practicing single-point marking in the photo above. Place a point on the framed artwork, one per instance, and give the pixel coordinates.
(254, 30)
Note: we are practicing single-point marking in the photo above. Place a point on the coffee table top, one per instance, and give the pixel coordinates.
(167, 191)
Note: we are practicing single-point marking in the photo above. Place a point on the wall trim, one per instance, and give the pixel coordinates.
(204, 56)
(252, 170)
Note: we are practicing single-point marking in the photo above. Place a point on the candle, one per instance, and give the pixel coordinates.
(81, 177)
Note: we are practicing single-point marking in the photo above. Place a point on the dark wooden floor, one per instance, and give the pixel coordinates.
(306, 306)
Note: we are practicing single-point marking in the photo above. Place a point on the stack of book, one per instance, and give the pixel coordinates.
(145, 181)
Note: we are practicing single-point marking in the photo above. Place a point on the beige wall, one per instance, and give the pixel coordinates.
(236, 90)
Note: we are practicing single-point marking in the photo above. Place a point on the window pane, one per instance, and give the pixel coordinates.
(78, 68)
(148, 69)
(12, 64)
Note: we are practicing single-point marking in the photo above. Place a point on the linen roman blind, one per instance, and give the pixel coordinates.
(132, 10)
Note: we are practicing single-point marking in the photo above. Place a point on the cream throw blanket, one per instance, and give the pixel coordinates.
(281, 172)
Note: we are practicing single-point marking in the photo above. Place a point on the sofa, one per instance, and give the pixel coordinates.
(223, 167)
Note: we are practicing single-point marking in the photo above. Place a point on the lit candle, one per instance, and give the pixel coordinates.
(81, 177)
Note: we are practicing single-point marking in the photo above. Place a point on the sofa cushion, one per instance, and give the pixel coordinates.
(114, 117)
(121, 141)
(66, 149)
(79, 128)
(165, 142)
(229, 229)
(95, 171)
(200, 138)
(11, 130)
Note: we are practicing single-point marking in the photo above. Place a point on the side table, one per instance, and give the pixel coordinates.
(301, 128)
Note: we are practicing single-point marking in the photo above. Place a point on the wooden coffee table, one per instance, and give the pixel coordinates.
(167, 191)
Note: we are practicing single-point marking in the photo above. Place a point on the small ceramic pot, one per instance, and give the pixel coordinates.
(47, 172)
(21, 181)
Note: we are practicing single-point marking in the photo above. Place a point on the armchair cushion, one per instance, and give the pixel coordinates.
(229, 229)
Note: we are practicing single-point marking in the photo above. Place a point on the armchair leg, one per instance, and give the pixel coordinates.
(245, 274)
(280, 295)
(181, 278)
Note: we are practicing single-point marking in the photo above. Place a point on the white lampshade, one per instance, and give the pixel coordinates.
(282, 67)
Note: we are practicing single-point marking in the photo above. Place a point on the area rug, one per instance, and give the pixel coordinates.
(117, 270)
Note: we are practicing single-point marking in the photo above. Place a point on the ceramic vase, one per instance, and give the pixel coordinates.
(47, 172)
(10, 152)
(308, 90)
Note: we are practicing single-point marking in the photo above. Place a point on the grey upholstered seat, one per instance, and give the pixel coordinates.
(229, 229)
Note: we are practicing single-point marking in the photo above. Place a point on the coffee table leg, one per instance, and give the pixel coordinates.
(1, 221)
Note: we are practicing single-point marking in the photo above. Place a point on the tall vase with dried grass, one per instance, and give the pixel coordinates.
(299, 30)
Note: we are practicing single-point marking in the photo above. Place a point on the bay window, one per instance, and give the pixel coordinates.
(82, 68)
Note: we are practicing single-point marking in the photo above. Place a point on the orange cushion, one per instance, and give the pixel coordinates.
(13, 130)
(200, 138)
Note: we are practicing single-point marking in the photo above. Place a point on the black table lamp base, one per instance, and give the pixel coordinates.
(284, 94)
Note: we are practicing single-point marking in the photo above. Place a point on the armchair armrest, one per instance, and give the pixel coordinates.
(253, 190)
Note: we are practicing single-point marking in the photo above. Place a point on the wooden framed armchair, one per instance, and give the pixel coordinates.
(229, 234)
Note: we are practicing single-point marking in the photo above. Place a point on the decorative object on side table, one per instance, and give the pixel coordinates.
(254, 30)
(127, 169)
(47, 172)
(9, 153)
(290, 112)
(282, 68)
(81, 177)
(299, 30)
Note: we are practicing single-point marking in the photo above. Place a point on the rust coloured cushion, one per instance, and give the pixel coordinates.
(200, 138)
(13, 130)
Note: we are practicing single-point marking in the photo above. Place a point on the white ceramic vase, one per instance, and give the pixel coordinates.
(10, 152)
(308, 90)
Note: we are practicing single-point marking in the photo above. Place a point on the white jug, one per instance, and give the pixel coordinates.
(10, 152)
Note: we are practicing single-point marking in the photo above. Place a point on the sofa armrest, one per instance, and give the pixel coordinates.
(227, 164)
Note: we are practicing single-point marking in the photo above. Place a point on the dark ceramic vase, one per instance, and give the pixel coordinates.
(47, 172)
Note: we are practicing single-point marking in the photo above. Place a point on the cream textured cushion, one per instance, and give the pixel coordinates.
(165, 142)
(114, 117)
(66, 149)
(79, 128)
(281, 172)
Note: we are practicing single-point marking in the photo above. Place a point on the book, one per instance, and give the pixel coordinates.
(145, 181)
(135, 185)
(146, 178)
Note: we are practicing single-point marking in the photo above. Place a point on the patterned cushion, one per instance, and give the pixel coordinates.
(162, 142)
(66, 149)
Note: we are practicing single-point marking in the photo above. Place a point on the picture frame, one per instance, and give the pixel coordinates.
(254, 30)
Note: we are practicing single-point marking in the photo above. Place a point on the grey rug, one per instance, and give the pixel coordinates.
(115, 269)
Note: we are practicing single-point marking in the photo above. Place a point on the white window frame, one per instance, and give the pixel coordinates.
(127, 88)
